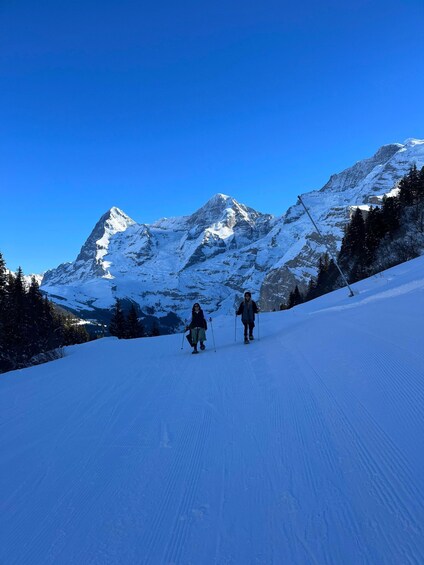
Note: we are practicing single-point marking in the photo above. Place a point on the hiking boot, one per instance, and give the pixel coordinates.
(246, 340)
(194, 351)
(251, 337)
(202, 345)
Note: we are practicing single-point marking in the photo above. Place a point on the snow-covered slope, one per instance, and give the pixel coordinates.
(223, 248)
(305, 446)
(331, 206)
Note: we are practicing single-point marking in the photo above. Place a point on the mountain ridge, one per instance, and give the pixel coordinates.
(222, 248)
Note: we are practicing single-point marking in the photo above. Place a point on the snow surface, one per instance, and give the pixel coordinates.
(304, 447)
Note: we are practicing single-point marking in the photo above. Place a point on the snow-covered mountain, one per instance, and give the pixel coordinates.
(330, 206)
(225, 247)
(166, 265)
(27, 278)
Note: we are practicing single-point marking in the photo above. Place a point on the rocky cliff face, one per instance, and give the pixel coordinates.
(223, 248)
(330, 207)
(90, 262)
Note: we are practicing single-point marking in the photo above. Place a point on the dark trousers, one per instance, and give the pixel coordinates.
(249, 325)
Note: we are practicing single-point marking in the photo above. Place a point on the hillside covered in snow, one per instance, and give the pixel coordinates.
(223, 248)
(305, 446)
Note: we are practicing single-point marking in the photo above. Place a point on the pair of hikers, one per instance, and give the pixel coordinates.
(198, 325)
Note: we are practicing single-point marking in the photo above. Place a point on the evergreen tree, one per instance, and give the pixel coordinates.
(117, 325)
(322, 276)
(134, 327)
(35, 311)
(295, 297)
(352, 250)
(311, 291)
(421, 185)
(3, 280)
(50, 327)
(390, 214)
(375, 230)
(16, 321)
(3, 298)
(327, 279)
(155, 330)
(73, 331)
(414, 182)
(405, 192)
(29, 323)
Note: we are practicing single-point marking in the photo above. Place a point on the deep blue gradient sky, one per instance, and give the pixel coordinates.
(156, 106)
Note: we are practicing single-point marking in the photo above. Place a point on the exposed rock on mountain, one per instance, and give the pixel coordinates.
(225, 247)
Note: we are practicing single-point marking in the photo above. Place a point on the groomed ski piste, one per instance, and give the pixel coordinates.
(305, 447)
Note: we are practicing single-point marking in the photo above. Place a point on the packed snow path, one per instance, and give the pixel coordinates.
(305, 447)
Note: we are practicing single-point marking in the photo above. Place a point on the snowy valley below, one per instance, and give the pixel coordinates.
(305, 446)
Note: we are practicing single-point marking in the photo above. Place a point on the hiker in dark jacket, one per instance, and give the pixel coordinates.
(247, 310)
(197, 327)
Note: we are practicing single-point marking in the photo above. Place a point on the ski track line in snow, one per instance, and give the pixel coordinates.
(130, 490)
(8, 503)
(187, 463)
(83, 484)
(269, 478)
(385, 473)
(271, 475)
(276, 479)
(354, 327)
(184, 518)
(175, 383)
(236, 466)
(16, 415)
(283, 460)
(406, 373)
(313, 448)
(83, 475)
(405, 388)
(285, 418)
(60, 438)
(398, 381)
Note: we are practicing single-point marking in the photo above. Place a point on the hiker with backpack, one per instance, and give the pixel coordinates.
(197, 327)
(247, 310)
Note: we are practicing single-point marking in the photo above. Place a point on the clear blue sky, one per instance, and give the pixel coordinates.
(156, 106)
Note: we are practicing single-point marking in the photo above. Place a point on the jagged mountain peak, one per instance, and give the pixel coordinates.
(207, 214)
(112, 222)
(116, 219)
(218, 197)
(223, 208)
(217, 204)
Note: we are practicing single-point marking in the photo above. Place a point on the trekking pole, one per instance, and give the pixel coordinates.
(182, 342)
(213, 336)
(235, 328)
(259, 328)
